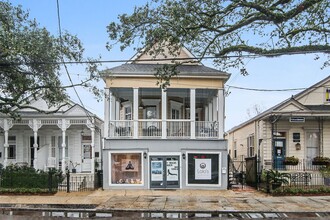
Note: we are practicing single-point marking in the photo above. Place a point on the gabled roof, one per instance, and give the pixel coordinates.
(144, 64)
(291, 105)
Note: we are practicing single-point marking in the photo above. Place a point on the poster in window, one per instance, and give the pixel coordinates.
(172, 170)
(203, 169)
(156, 170)
(129, 165)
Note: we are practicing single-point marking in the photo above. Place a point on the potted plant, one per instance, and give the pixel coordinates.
(325, 171)
(319, 160)
(277, 178)
(74, 165)
(291, 161)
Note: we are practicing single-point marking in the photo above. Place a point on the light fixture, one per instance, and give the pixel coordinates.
(145, 155)
(183, 156)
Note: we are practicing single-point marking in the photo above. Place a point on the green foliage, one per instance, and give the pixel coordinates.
(301, 191)
(291, 160)
(278, 177)
(325, 171)
(30, 61)
(207, 28)
(24, 177)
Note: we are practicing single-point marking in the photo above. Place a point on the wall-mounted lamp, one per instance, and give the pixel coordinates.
(145, 155)
(183, 156)
(298, 146)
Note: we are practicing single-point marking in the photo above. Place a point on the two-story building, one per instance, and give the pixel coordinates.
(164, 138)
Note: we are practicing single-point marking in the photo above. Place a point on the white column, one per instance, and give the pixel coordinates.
(91, 126)
(164, 114)
(6, 124)
(107, 107)
(135, 112)
(210, 112)
(63, 124)
(192, 113)
(117, 110)
(206, 113)
(35, 125)
(221, 113)
(215, 112)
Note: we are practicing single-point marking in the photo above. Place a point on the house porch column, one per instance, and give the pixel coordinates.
(35, 125)
(192, 113)
(91, 126)
(135, 112)
(63, 124)
(164, 114)
(221, 113)
(107, 107)
(6, 124)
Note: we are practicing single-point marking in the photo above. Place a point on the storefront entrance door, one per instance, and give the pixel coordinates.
(164, 172)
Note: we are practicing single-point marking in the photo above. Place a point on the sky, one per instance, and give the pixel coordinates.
(88, 20)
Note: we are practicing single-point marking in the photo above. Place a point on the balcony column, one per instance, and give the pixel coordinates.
(35, 124)
(135, 112)
(6, 124)
(91, 126)
(107, 107)
(164, 114)
(221, 113)
(210, 112)
(215, 105)
(192, 113)
(206, 113)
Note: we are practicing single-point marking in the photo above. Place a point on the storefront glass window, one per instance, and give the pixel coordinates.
(203, 168)
(126, 168)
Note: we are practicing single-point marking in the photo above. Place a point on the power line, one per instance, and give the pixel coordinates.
(64, 63)
(253, 56)
(265, 90)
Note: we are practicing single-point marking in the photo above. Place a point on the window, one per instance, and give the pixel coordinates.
(235, 150)
(250, 145)
(296, 137)
(12, 147)
(128, 113)
(327, 95)
(175, 114)
(151, 112)
(53, 146)
(126, 168)
(203, 168)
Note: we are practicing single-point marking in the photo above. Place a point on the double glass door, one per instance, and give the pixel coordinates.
(164, 172)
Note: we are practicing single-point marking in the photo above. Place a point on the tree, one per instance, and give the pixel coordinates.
(31, 59)
(230, 30)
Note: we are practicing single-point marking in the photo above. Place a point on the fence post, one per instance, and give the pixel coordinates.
(67, 181)
(267, 182)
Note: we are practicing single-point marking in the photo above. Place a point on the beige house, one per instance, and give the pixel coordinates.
(299, 127)
(157, 138)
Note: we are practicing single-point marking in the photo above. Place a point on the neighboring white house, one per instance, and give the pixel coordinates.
(156, 138)
(70, 138)
(299, 127)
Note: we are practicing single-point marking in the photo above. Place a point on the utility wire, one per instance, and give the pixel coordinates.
(168, 59)
(64, 62)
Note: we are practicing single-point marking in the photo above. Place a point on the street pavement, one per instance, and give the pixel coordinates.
(181, 200)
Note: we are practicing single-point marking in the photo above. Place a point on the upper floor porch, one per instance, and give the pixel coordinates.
(172, 113)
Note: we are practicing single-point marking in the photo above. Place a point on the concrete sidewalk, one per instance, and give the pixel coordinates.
(176, 200)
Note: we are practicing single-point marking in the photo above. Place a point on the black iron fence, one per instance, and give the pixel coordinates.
(16, 179)
(302, 165)
(294, 182)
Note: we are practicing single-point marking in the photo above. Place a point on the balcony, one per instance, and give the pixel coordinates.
(154, 129)
(142, 113)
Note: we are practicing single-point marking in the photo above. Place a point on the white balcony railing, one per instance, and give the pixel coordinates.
(150, 128)
(175, 128)
(121, 128)
(178, 128)
(207, 129)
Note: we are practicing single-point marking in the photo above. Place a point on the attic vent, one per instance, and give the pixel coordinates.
(297, 119)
